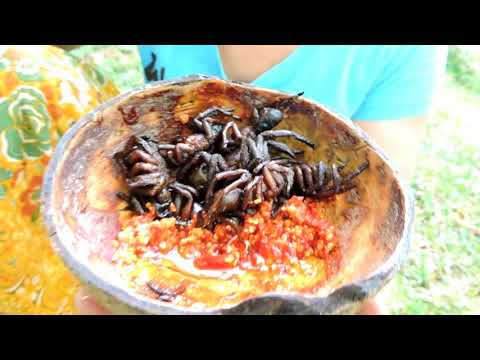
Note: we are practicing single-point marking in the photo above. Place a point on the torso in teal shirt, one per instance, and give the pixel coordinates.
(359, 82)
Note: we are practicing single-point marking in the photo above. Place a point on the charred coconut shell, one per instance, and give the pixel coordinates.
(80, 202)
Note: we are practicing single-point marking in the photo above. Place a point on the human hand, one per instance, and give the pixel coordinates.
(372, 307)
(87, 305)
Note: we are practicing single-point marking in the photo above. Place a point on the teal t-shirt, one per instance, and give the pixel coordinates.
(361, 82)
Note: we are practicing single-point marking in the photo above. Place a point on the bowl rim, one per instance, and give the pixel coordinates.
(358, 290)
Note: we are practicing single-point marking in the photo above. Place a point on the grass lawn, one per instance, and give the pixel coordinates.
(441, 274)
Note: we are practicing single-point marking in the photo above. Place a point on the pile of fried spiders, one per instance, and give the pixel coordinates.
(221, 172)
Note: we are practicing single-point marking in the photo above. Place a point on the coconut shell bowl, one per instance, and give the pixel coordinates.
(373, 221)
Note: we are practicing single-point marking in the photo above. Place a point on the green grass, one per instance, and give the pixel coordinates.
(441, 273)
(464, 66)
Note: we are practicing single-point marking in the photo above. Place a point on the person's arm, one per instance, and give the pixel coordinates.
(400, 139)
(394, 112)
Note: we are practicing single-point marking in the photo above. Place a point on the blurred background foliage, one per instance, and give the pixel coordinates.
(464, 66)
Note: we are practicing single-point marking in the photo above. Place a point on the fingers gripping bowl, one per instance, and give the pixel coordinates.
(372, 221)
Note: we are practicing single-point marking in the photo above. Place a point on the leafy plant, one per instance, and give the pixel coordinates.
(460, 67)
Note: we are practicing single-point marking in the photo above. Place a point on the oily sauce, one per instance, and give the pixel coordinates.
(294, 252)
